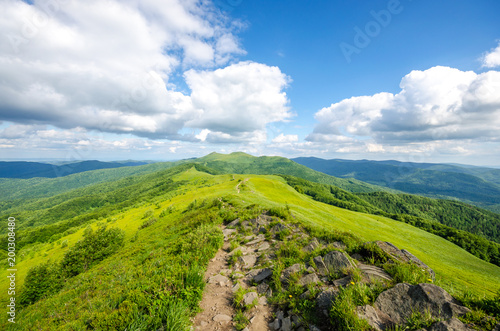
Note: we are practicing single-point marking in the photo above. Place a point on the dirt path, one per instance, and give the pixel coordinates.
(217, 310)
(217, 303)
(238, 186)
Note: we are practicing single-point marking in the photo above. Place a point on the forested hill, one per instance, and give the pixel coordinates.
(23, 169)
(477, 185)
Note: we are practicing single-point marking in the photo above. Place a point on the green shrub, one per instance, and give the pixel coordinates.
(41, 281)
(148, 222)
(95, 247)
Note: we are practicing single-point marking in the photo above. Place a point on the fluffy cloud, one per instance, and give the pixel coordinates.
(492, 58)
(111, 66)
(437, 104)
(240, 98)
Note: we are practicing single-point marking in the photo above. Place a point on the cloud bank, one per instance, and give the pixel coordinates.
(438, 104)
(123, 67)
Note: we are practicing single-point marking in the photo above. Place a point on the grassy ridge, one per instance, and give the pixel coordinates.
(154, 265)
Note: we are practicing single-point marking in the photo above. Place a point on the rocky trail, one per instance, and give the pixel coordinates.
(247, 281)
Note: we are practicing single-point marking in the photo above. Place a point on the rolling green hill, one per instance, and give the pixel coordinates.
(170, 231)
(480, 186)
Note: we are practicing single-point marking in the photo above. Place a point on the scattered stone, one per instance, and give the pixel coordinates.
(227, 233)
(247, 261)
(295, 320)
(342, 282)
(264, 246)
(320, 265)
(400, 301)
(450, 325)
(243, 250)
(278, 228)
(339, 245)
(234, 223)
(326, 298)
(275, 325)
(309, 279)
(236, 287)
(336, 261)
(310, 270)
(238, 275)
(402, 255)
(313, 327)
(311, 246)
(290, 270)
(263, 288)
(376, 319)
(218, 279)
(203, 323)
(263, 301)
(257, 240)
(262, 230)
(373, 273)
(222, 318)
(249, 297)
(263, 274)
(286, 324)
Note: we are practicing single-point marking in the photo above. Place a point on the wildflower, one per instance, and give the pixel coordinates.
(290, 296)
(430, 280)
(352, 283)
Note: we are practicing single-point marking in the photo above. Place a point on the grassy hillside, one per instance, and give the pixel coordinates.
(154, 270)
(241, 163)
(473, 185)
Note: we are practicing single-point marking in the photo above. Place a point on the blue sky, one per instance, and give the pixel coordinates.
(409, 80)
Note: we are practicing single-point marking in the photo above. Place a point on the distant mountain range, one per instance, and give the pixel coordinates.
(25, 170)
(477, 185)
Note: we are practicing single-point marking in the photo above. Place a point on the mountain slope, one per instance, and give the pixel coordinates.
(479, 186)
(166, 231)
(36, 169)
(241, 163)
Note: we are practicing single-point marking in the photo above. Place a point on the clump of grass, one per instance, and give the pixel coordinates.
(234, 257)
(417, 320)
(343, 311)
(241, 320)
(407, 273)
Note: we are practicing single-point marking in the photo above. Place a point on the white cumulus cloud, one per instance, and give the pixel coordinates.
(114, 66)
(492, 58)
(440, 103)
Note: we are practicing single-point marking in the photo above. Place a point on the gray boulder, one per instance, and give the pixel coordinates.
(377, 319)
(336, 261)
(289, 271)
(402, 255)
(320, 266)
(325, 299)
(450, 325)
(309, 279)
(400, 301)
(311, 246)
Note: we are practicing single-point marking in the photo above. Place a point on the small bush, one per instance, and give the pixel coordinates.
(148, 222)
(95, 247)
(41, 281)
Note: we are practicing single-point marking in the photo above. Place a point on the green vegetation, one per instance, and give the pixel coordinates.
(480, 186)
(145, 269)
(474, 244)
